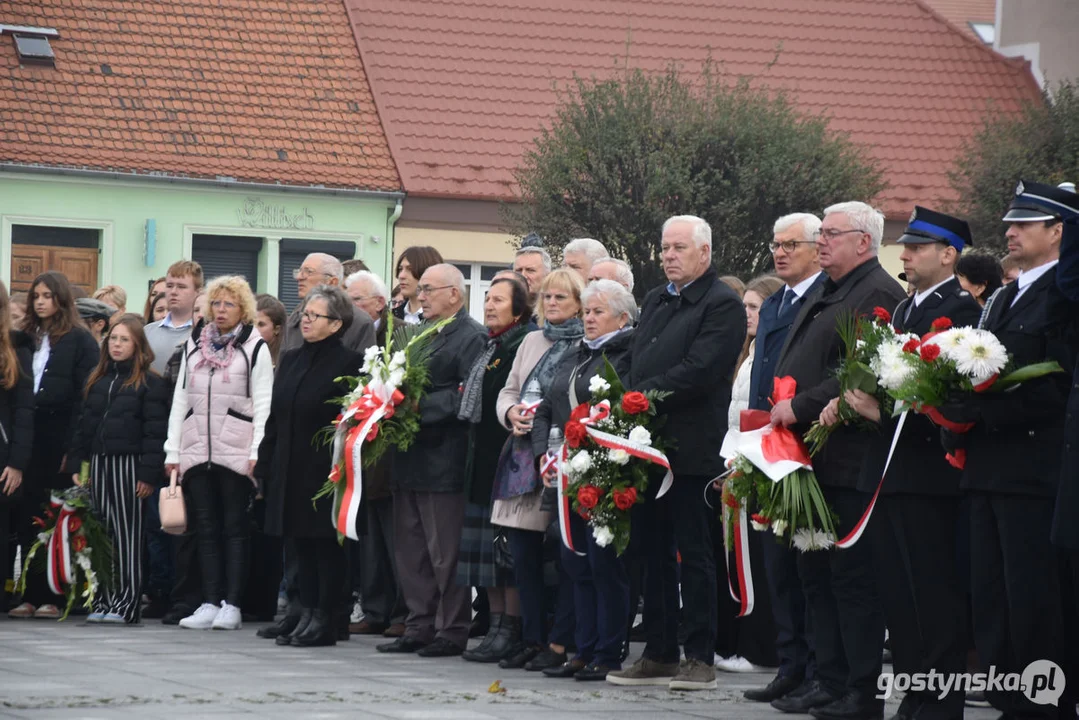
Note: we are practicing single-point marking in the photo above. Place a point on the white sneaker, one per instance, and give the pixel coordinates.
(201, 619)
(736, 664)
(229, 618)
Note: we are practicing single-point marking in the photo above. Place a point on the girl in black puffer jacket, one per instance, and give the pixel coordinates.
(122, 435)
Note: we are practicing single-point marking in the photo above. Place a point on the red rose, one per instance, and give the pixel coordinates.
(882, 315)
(74, 523)
(579, 413)
(625, 499)
(930, 352)
(79, 543)
(941, 324)
(575, 434)
(588, 496)
(911, 346)
(634, 403)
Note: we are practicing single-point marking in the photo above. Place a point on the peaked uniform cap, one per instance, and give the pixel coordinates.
(1036, 201)
(930, 226)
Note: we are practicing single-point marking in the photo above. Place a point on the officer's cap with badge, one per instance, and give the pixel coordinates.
(928, 226)
(1034, 202)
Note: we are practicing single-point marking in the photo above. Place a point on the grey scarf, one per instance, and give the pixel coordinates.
(472, 390)
(565, 338)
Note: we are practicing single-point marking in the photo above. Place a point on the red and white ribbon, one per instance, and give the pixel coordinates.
(745, 595)
(643, 452)
(856, 533)
(58, 565)
(564, 508)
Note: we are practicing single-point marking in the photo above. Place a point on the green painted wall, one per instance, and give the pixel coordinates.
(120, 209)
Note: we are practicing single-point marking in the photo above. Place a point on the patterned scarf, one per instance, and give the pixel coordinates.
(217, 350)
(472, 393)
(564, 337)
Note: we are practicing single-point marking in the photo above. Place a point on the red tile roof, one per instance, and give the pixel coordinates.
(962, 13)
(463, 86)
(270, 92)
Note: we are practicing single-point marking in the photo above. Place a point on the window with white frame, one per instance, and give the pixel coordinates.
(478, 277)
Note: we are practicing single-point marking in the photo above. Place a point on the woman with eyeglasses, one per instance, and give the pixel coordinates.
(219, 411)
(292, 468)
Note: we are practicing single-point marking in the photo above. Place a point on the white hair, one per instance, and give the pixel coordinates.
(329, 264)
(810, 225)
(622, 271)
(702, 231)
(619, 300)
(374, 281)
(533, 250)
(453, 277)
(862, 217)
(592, 249)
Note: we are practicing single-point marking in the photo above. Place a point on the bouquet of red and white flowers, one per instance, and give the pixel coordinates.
(609, 445)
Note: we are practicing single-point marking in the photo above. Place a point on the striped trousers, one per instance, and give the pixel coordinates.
(112, 490)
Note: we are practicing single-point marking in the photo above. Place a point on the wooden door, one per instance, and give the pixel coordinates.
(29, 261)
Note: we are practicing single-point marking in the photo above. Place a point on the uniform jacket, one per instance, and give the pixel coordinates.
(812, 353)
(772, 329)
(58, 404)
(292, 465)
(118, 420)
(1016, 447)
(436, 460)
(918, 465)
(218, 419)
(17, 413)
(688, 345)
(1066, 517)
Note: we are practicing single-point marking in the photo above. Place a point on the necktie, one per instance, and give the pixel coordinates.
(789, 297)
(910, 308)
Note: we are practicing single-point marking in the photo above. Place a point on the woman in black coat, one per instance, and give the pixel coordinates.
(292, 466)
(65, 354)
(16, 427)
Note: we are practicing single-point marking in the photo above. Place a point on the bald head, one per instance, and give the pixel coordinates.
(317, 269)
(441, 291)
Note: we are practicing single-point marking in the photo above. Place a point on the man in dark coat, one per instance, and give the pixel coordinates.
(687, 343)
(429, 499)
(913, 530)
(1013, 455)
(797, 263)
(840, 589)
(316, 269)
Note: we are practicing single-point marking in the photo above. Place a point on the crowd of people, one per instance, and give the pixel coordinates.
(226, 391)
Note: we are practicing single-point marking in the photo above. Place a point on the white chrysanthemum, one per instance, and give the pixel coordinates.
(980, 356)
(807, 540)
(581, 462)
(396, 378)
(640, 436)
(602, 535)
(759, 525)
(398, 360)
(890, 367)
(598, 385)
(618, 456)
(779, 527)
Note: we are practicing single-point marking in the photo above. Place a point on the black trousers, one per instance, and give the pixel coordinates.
(914, 547)
(34, 500)
(383, 601)
(600, 597)
(794, 646)
(678, 523)
(841, 592)
(321, 565)
(1015, 586)
(219, 499)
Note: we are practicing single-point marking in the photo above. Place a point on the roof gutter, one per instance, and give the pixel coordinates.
(205, 183)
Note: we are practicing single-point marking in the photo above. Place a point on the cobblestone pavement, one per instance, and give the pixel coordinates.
(73, 670)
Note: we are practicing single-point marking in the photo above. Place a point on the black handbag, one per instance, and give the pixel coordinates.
(503, 556)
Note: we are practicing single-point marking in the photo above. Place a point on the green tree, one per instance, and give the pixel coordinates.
(623, 154)
(1040, 144)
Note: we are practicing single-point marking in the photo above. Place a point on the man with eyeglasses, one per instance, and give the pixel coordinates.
(839, 586)
(429, 480)
(797, 263)
(322, 269)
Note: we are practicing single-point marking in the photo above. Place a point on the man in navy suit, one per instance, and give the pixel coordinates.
(794, 251)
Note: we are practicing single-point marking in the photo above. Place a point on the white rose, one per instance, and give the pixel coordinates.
(598, 385)
(640, 436)
(581, 462)
(602, 535)
(618, 457)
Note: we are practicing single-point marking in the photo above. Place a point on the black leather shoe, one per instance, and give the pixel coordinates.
(810, 695)
(592, 673)
(492, 633)
(852, 706)
(318, 633)
(565, 670)
(403, 644)
(175, 614)
(548, 658)
(505, 640)
(284, 627)
(520, 655)
(779, 687)
(301, 626)
(440, 648)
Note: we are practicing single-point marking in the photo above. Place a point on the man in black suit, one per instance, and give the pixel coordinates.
(840, 588)
(1013, 454)
(797, 263)
(914, 525)
(687, 343)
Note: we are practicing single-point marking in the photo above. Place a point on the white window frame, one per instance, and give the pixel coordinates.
(475, 286)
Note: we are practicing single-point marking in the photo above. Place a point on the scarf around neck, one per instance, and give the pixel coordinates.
(472, 392)
(217, 350)
(565, 337)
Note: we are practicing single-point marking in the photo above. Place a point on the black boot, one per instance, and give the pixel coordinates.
(492, 633)
(286, 625)
(301, 625)
(320, 631)
(509, 634)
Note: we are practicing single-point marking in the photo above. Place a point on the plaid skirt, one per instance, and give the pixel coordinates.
(476, 559)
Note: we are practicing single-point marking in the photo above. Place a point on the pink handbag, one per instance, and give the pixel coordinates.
(170, 506)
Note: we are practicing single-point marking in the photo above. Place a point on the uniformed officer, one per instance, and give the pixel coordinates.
(1013, 454)
(913, 528)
